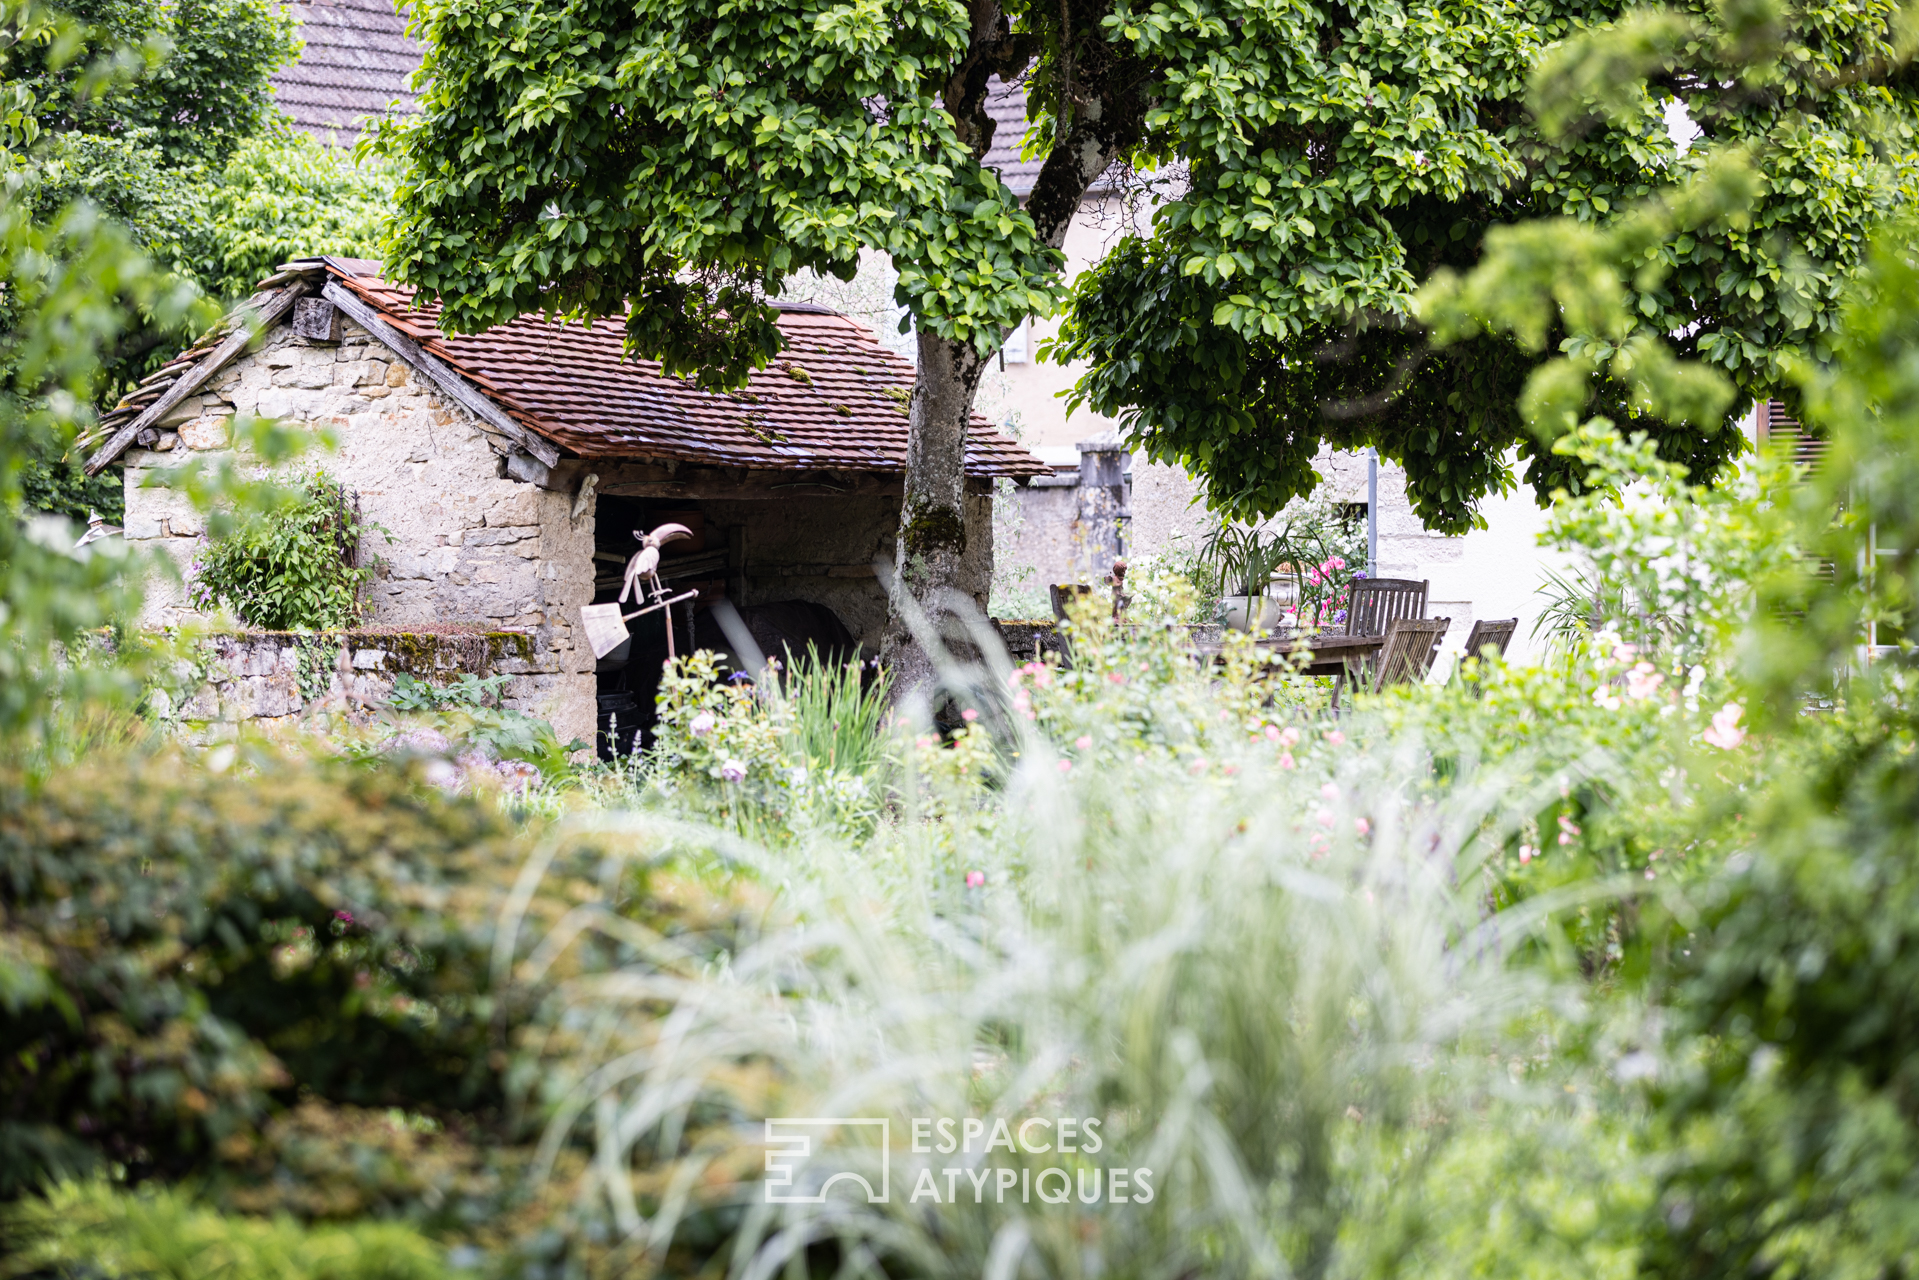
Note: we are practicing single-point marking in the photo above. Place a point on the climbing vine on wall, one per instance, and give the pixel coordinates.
(295, 569)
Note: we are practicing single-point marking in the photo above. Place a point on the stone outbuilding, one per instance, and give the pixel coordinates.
(509, 470)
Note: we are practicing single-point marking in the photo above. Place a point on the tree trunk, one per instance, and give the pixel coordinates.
(932, 536)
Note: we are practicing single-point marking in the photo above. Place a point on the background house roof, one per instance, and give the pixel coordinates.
(835, 400)
(355, 64)
(358, 57)
(1006, 103)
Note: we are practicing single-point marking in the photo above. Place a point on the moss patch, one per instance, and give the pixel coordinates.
(930, 527)
(418, 653)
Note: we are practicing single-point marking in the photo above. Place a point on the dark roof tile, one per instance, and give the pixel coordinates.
(355, 65)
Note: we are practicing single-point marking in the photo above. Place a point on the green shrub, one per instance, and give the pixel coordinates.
(185, 951)
(295, 569)
(92, 1229)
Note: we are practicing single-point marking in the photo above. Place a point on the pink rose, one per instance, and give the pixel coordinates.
(1725, 732)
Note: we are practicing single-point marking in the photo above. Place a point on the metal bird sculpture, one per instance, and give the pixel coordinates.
(644, 567)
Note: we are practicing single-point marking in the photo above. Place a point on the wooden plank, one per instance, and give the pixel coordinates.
(469, 396)
(271, 314)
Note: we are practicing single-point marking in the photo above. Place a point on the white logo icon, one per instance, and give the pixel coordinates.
(790, 1149)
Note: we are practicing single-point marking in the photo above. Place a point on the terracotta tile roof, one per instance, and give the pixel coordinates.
(355, 64)
(835, 399)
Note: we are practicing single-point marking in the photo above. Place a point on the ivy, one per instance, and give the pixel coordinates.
(297, 568)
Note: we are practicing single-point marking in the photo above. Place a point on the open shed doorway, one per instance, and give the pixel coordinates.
(716, 563)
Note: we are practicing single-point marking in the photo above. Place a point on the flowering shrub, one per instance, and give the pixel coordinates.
(722, 728)
(1673, 567)
(751, 753)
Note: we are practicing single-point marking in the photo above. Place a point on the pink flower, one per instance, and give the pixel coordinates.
(733, 770)
(1337, 562)
(1082, 742)
(1065, 766)
(1336, 738)
(1285, 759)
(969, 715)
(1289, 737)
(1272, 733)
(702, 724)
(1020, 701)
(1196, 768)
(1330, 790)
(1229, 770)
(1115, 677)
(1725, 732)
(1324, 817)
(1642, 681)
(1527, 853)
(1567, 831)
(1362, 826)
(975, 879)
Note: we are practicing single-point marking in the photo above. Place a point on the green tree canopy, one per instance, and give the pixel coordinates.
(1332, 158)
(161, 117)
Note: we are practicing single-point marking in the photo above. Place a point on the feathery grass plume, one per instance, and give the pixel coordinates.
(1264, 992)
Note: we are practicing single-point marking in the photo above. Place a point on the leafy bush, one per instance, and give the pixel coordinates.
(295, 569)
(184, 953)
(284, 194)
(89, 1229)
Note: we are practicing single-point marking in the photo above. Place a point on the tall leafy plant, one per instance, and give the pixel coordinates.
(295, 569)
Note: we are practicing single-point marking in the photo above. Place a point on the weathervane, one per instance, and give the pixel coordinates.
(606, 623)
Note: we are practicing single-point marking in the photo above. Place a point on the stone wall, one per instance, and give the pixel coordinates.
(277, 677)
(462, 544)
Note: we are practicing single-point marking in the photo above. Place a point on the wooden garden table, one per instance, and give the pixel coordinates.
(1332, 654)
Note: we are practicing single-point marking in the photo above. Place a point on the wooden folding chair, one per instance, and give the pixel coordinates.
(1496, 632)
(1407, 655)
(1377, 601)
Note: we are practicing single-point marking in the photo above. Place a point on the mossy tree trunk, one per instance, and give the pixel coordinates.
(932, 535)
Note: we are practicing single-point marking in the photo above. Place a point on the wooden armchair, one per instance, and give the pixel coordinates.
(1496, 632)
(1377, 601)
(1407, 655)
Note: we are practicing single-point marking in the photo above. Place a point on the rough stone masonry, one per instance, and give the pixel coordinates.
(462, 543)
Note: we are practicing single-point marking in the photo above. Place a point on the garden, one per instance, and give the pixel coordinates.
(1130, 961)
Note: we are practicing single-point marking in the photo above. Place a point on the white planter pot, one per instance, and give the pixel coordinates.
(1239, 615)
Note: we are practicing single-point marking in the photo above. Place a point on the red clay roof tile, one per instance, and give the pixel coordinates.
(835, 399)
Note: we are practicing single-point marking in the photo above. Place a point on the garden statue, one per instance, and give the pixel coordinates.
(606, 623)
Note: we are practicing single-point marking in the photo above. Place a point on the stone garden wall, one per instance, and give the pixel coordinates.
(270, 678)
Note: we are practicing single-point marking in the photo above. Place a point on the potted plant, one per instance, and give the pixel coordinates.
(1246, 560)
